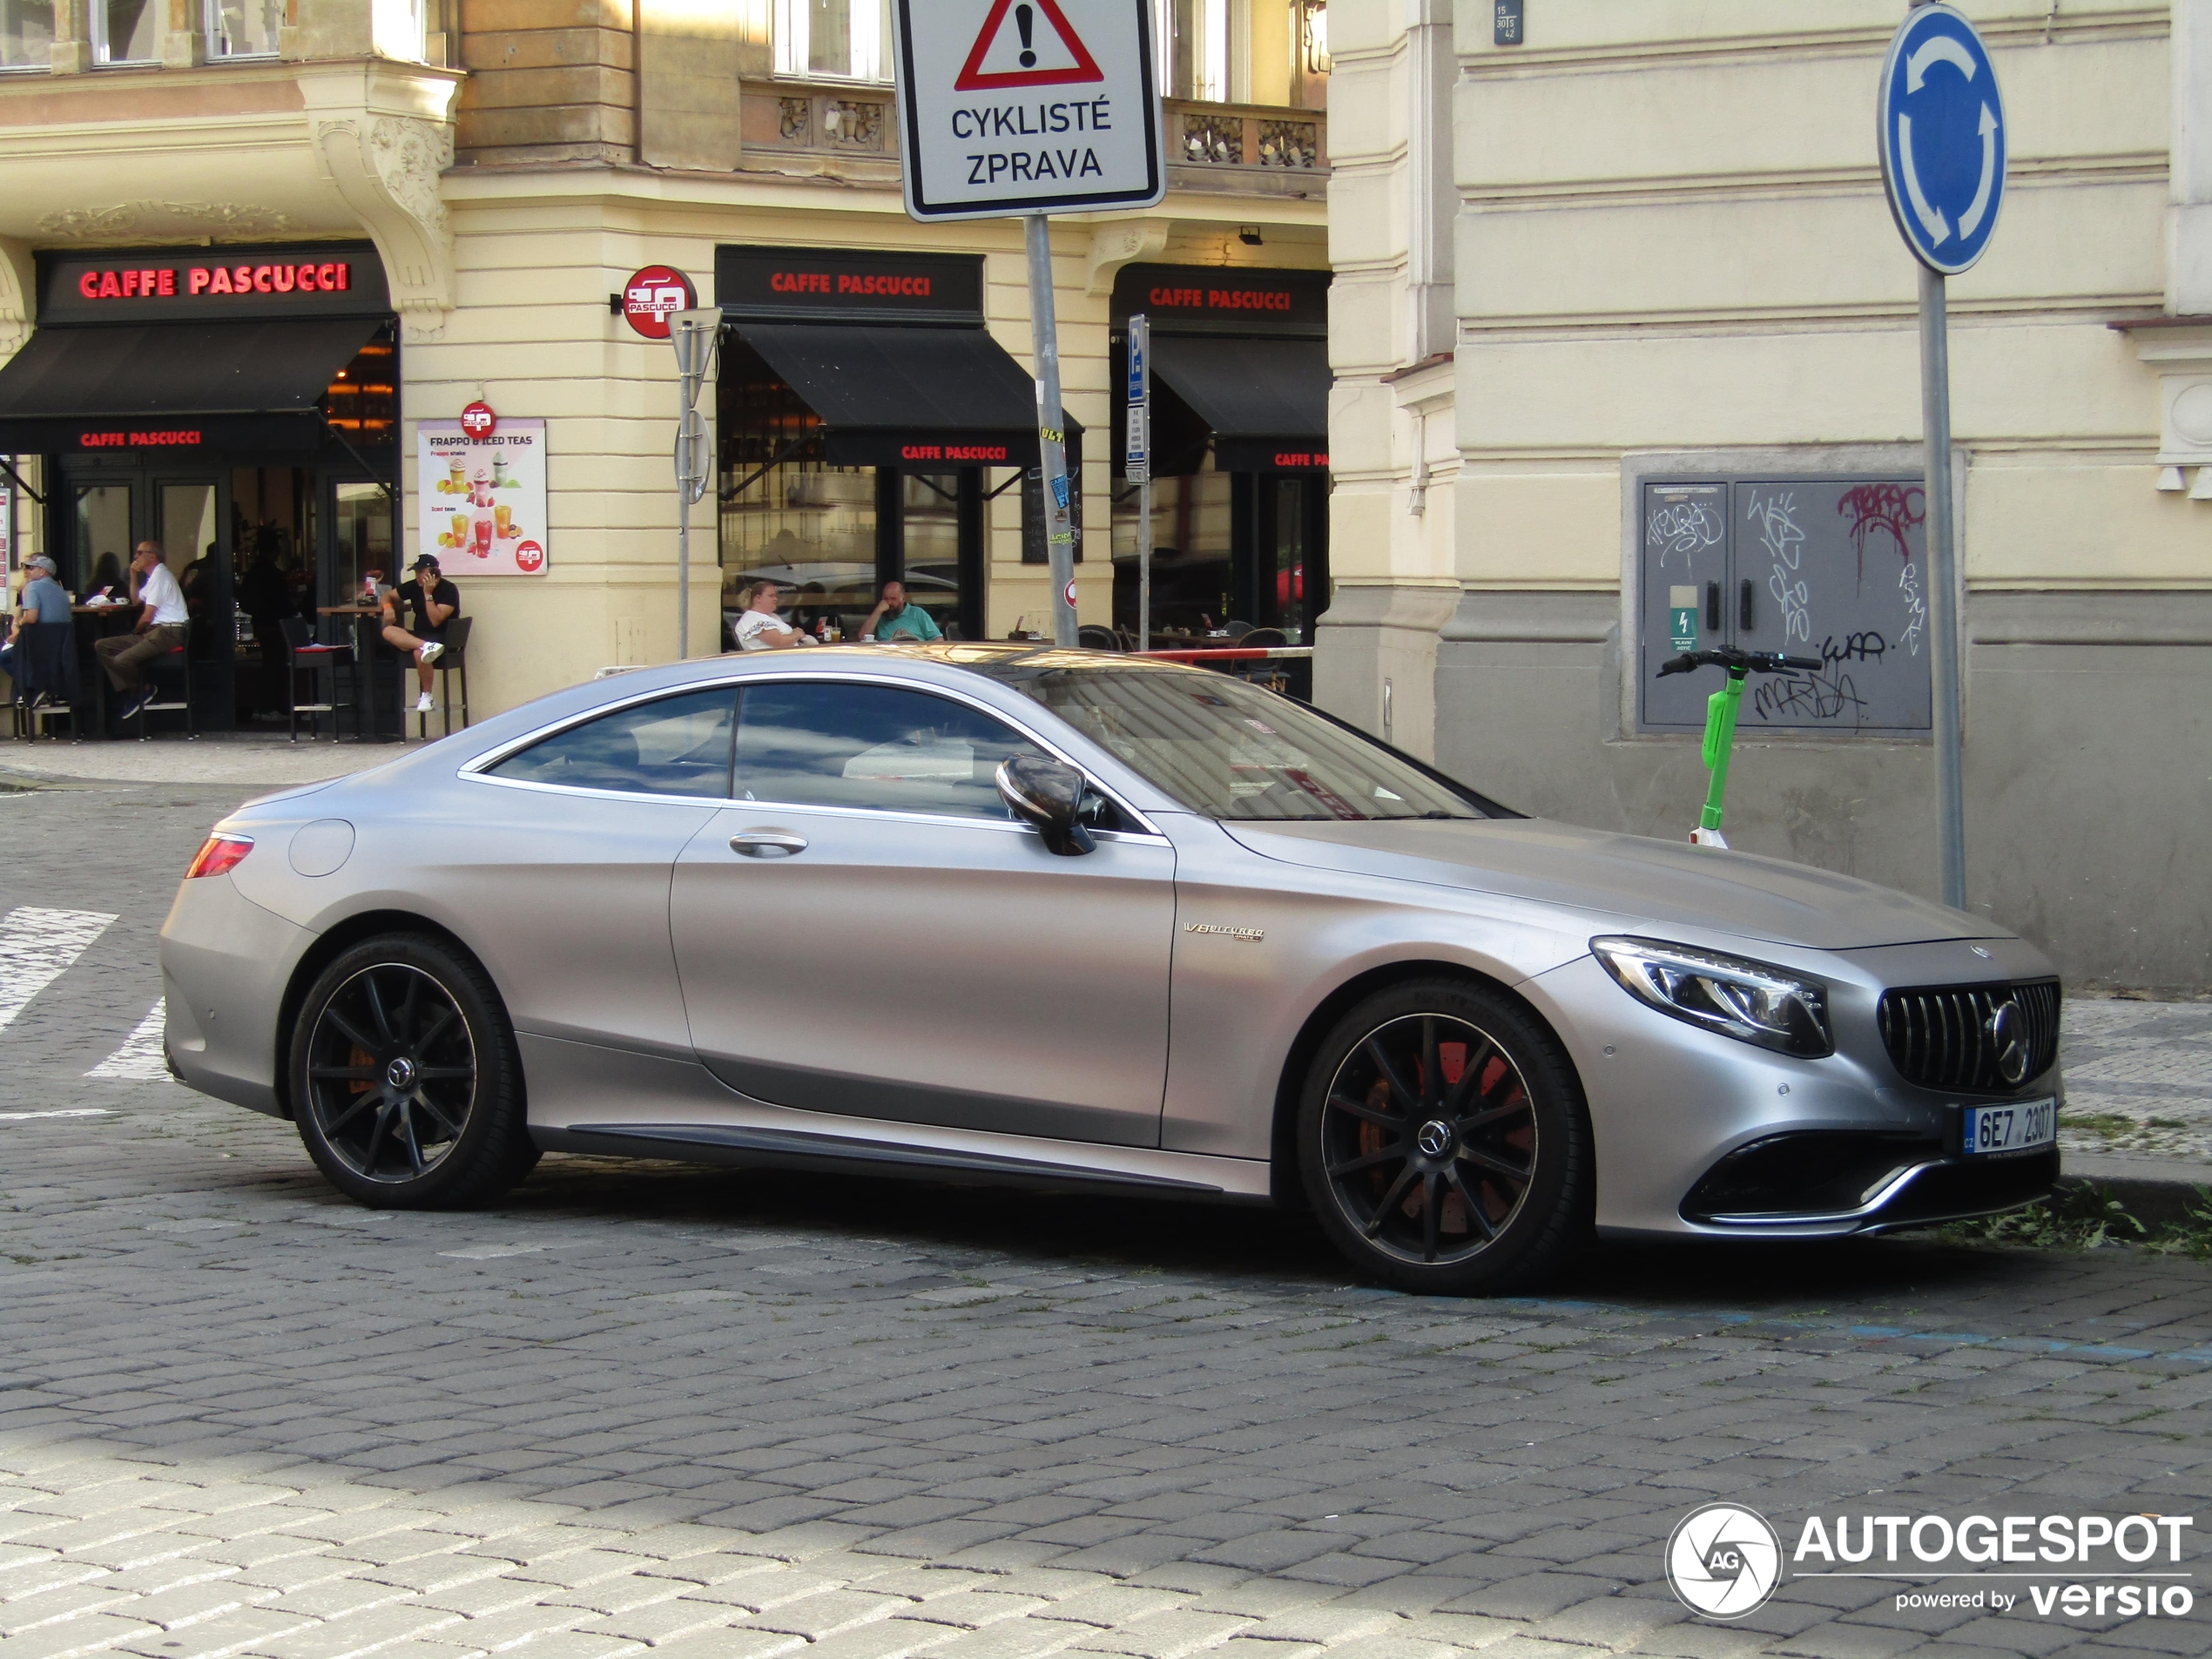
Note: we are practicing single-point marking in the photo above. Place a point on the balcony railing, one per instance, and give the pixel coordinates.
(818, 125)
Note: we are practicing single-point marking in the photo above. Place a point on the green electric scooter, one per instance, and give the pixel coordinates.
(1720, 717)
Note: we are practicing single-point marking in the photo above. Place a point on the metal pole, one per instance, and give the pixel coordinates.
(1060, 534)
(1145, 563)
(1945, 592)
(683, 564)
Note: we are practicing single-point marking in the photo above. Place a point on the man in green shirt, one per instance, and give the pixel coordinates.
(893, 618)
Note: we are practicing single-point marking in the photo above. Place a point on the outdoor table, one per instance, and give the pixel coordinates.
(88, 660)
(369, 650)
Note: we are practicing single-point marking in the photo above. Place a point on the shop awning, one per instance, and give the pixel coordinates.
(1267, 401)
(927, 399)
(174, 386)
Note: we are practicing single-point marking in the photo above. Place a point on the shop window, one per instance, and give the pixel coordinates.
(104, 543)
(840, 39)
(242, 28)
(1828, 567)
(872, 747)
(1192, 538)
(363, 403)
(26, 34)
(127, 31)
(362, 525)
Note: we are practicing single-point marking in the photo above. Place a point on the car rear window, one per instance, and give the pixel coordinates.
(674, 746)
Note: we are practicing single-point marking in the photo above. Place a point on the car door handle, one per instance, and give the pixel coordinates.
(767, 843)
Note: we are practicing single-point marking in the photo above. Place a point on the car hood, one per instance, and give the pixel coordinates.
(1660, 884)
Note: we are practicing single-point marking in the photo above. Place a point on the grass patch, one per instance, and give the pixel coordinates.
(2083, 1215)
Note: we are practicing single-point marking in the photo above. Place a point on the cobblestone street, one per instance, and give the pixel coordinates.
(656, 1408)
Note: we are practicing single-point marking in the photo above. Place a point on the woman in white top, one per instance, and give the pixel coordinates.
(760, 628)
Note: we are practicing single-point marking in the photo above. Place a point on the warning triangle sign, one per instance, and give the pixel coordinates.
(1027, 43)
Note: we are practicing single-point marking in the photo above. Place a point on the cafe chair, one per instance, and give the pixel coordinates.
(176, 661)
(1236, 630)
(1258, 638)
(1091, 636)
(49, 688)
(304, 656)
(455, 656)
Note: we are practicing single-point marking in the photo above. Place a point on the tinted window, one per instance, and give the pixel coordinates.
(1230, 750)
(823, 743)
(679, 746)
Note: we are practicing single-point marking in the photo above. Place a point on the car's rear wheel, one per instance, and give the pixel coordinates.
(1444, 1140)
(405, 1080)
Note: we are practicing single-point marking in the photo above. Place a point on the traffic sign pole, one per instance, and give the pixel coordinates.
(1059, 521)
(1944, 588)
(1137, 464)
(1943, 143)
(693, 334)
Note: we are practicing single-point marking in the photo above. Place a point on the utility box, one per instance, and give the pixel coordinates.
(1831, 567)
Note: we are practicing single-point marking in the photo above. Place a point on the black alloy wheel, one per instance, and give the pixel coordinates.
(1444, 1140)
(404, 1081)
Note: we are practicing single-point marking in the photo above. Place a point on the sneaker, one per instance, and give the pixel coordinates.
(422, 704)
(135, 705)
(430, 652)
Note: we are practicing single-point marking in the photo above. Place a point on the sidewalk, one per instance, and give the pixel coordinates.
(248, 759)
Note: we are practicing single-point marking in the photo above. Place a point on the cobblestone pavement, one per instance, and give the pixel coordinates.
(2139, 1078)
(654, 1409)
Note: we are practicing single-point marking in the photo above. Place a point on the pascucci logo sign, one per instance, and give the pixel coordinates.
(1723, 1561)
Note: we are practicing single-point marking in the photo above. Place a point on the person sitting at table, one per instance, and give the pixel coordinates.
(760, 628)
(107, 585)
(43, 599)
(160, 628)
(894, 617)
(432, 602)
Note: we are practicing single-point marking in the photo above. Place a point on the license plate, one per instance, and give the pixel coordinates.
(2018, 1128)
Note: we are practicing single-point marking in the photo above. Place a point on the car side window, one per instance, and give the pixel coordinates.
(823, 742)
(675, 745)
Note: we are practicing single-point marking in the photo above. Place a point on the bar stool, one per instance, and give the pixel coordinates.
(455, 656)
(303, 654)
(174, 661)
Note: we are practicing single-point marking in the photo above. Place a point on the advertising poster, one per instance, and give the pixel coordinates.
(7, 528)
(484, 498)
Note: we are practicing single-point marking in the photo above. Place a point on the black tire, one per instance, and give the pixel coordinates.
(406, 1083)
(1443, 1142)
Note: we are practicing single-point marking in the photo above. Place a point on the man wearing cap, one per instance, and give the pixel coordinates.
(432, 601)
(160, 628)
(43, 600)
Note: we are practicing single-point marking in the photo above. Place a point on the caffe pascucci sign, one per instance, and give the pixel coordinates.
(192, 285)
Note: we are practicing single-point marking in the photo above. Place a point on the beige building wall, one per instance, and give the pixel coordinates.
(1671, 237)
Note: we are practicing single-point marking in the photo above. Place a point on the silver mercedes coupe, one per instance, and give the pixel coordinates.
(1013, 914)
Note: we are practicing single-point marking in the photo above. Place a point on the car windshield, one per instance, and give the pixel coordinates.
(1228, 750)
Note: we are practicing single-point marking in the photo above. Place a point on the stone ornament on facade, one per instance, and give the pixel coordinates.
(387, 168)
(160, 221)
(2180, 350)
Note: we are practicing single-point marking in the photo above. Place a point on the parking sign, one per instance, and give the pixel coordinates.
(1011, 107)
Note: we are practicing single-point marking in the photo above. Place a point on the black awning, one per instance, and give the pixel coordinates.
(927, 399)
(174, 386)
(1267, 401)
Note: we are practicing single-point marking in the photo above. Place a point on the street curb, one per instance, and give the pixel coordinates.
(2154, 1191)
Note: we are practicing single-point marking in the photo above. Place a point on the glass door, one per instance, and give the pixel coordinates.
(188, 522)
(103, 532)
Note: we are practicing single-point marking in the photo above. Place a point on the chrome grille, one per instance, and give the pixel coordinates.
(1940, 1037)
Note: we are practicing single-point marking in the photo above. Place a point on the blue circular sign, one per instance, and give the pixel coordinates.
(1943, 138)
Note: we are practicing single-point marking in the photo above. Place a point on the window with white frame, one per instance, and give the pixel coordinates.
(840, 39)
(1194, 48)
(26, 34)
(242, 28)
(127, 31)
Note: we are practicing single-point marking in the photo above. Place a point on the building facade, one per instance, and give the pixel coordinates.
(184, 182)
(1626, 356)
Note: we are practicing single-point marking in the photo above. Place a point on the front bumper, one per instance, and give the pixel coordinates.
(1698, 1134)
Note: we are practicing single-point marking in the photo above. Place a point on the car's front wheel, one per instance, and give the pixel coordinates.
(405, 1081)
(1444, 1140)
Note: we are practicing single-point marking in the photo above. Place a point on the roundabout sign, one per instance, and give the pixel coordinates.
(1943, 142)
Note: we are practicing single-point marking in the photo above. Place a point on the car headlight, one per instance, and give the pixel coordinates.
(1752, 1002)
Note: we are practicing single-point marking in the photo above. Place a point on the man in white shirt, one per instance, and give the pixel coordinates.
(760, 628)
(160, 631)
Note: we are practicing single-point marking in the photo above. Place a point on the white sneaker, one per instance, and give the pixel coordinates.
(422, 704)
(430, 652)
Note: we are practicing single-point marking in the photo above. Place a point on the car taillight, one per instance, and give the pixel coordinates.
(219, 853)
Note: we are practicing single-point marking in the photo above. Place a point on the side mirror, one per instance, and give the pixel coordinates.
(1046, 793)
